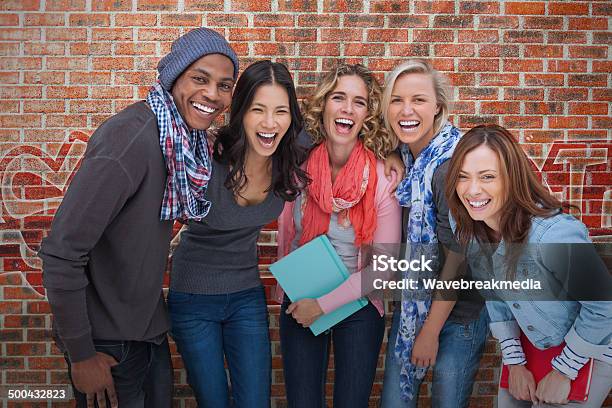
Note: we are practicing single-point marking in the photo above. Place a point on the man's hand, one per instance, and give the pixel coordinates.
(394, 163)
(305, 311)
(425, 348)
(521, 384)
(93, 377)
(554, 388)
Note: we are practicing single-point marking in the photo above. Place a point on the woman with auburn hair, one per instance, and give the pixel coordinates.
(427, 329)
(349, 201)
(508, 220)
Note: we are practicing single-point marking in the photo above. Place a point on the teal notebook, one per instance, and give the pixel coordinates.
(313, 270)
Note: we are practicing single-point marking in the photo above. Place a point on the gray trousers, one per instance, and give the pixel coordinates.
(601, 383)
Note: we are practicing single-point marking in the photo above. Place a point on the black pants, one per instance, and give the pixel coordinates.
(143, 377)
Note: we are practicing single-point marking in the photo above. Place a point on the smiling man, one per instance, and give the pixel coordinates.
(104, 259)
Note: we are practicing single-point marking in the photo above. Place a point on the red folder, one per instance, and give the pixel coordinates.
(539, 363)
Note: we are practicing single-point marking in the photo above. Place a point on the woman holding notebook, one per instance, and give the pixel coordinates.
(349, 201)
(514, 230)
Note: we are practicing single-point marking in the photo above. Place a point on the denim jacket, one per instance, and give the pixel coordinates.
(586, 326)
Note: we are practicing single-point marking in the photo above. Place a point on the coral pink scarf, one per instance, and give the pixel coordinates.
(351, 195)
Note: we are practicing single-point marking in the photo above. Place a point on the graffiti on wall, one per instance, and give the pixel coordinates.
(32, 184)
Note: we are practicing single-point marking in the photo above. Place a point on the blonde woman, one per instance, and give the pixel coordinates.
(446, 335)
(348, 200)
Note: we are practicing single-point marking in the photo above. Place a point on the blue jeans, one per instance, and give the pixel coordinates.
(357, 340)
(459, 352)
(143, 377)
(235, 325)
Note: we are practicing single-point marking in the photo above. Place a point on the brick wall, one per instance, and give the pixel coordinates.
(540, 68)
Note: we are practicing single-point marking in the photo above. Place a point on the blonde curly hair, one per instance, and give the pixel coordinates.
(374, 135)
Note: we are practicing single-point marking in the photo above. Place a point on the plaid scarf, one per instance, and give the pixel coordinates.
(187, 157)
(415, 191)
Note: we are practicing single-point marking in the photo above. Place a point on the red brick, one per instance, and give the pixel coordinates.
(356, 49)
(543, 23)
(249, 34)
(523, 122)
(387, 35)
(157, 5)
(363, 20)
(464, 108)
(602, 94)
(140, 48)
(12, 363)
(581, 51)
(567, 37)
(524, 36)
(588, 23)
(496, 50)
(567, 66)
(39, 308)
(478, 36)
(111, 5)
(588, 80)
(46, 363)
(498, 22)
(500, 108)
(542, 136)
(116, 34)
(339, 34)
(9, 49)
(64, 63)
(524, 94)
(479, 64)
(479, 7)
(181, 20)
(568, 94)
(158, 34)
(250, 5)
(565, 8)
(480, 93)
(115, 92)
(274, 49)
(434, 7)
(319, 49)
(89, 20)
(65, 5)
(20, 34)
(44, 19)
(407, 21)
(44, 48)
(9, 107)
(91, 48)
(20, 5)
(442, 36)
(19, 121)
(135, 20)
(455, 50)
(20, 92)
(25, 377)
(296, 34)
(602, 9)
(602, 122)
(43, 77)
(469, 121)
(342, 6)
(567, 122)
(523, 8)
(588, 108)
(203, 5)
(544, 108)
(544, 51)
(67, 92)
(522, 65)
(297, 5)
(453, 21)
(409, 50)
(26, 349)
(602, 38)
(299, 64)
(544, 80)
(272, 20)
(389, 6)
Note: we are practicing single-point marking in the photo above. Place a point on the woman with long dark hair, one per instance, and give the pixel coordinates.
(216, 300)
(514, 229)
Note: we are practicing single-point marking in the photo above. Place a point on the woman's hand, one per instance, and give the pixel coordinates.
(394, 163)
(425, 348)
(521, 384)
(305, 311)
(554, 388)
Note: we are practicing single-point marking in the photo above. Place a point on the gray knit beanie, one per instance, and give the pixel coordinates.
(189, 48)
